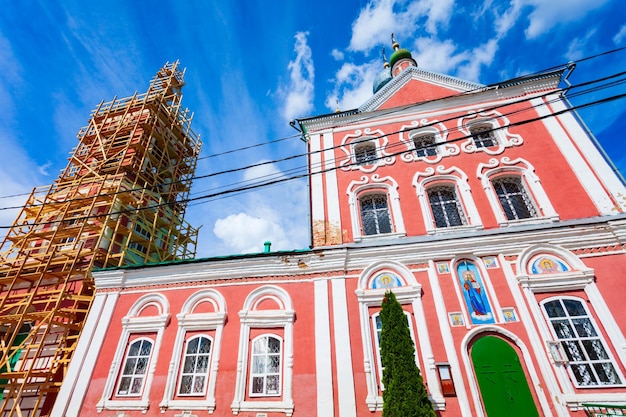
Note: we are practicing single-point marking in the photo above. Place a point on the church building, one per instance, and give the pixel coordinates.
(489, 210)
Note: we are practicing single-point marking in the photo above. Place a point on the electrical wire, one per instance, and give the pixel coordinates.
(299, 176)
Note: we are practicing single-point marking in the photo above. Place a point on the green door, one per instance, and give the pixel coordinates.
(503, 385)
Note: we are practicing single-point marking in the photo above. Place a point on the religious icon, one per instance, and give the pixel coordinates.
(456, 319)
(548, 265)
(509, 314)
(442, 267)
(474, 294)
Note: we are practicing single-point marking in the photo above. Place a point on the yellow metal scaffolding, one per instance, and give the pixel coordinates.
(121, 200)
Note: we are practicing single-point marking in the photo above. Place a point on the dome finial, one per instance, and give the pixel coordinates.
(394, 44)
(385, 63)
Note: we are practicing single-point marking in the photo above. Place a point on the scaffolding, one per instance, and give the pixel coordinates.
(121, 200)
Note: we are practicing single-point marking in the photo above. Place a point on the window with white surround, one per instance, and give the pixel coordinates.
(266, 360)
(130, 377)
(445, 200)
(486, 131)
(514, 191)
(135, 368)
(264, 377)
(513, 198)
(365, 153)
(375, 207)
(589, 361)
(582, 336)
(375, 216)
(446, 207)
(194, 374)
(375, 280)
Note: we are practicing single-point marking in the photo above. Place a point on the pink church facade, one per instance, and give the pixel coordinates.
(488, 210)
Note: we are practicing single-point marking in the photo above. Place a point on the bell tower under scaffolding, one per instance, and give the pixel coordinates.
(121, 200)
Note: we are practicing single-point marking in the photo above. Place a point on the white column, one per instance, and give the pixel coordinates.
(343, 355)
(323, 368)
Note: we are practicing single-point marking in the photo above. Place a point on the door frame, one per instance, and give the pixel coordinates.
(533, 383)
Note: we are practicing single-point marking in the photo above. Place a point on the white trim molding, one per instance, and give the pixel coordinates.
(442, 176)
(362, 136)
(523, 169)
(577, 277)
(410, 292)
(498, 125)
(424, 127)
(371, 184)
(188, 320)
(134, 323)
(253, 318)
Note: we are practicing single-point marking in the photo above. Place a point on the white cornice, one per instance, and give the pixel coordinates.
(573, 235)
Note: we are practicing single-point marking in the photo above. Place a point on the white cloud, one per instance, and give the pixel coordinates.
(578, 45)
(379, 18)
(337, 54)
(545, 14)
(243, 233)
(276, 213)
(353, 85)
(298, 94)
(444, 57)
(620, 36)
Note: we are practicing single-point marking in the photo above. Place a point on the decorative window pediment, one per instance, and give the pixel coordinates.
(487, 131)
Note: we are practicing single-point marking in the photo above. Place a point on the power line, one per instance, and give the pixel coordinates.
(482, 88)
(299, 176)
(291, 157)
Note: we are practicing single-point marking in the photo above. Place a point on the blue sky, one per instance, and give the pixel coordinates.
(252, 66)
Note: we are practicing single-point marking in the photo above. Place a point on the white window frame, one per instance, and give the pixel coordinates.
(351, 141)
(447, 207)
(492, 120)
(194, 374)
(265, 374)
(452, 177)
(499, 184)
(409, 293)
(366, 147)
(191, 321)
(521, 168)
(134, 323)
(424, 127)
(599, 337)
(133, 376)
(375, 185)
(251, 317)
(580, 277)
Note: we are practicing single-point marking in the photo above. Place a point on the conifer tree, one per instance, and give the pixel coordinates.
(405, 394)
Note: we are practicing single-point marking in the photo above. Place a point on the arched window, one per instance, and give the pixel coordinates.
(133, 375)
(425, 145)
(513, 198)
(195, 371)
(590, 362)
(266, 359)
(365, 153)
(446, 206)
(375, 216)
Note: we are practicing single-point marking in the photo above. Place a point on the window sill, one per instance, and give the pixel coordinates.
(123, 405)
(455, 229)
(530, 220)
(260, 406)
(190, 404)
(379, 236)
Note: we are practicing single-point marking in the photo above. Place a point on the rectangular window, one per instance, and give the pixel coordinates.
(445, 206)
(195, 367)
(375, 217)
(265, 366)
(135, 368)
(513, 198)
(483, 136)
(365, 153)
(425, 145)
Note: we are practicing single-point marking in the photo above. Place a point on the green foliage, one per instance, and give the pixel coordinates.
(405, 394)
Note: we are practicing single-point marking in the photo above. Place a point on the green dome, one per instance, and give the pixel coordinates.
(399, 54)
